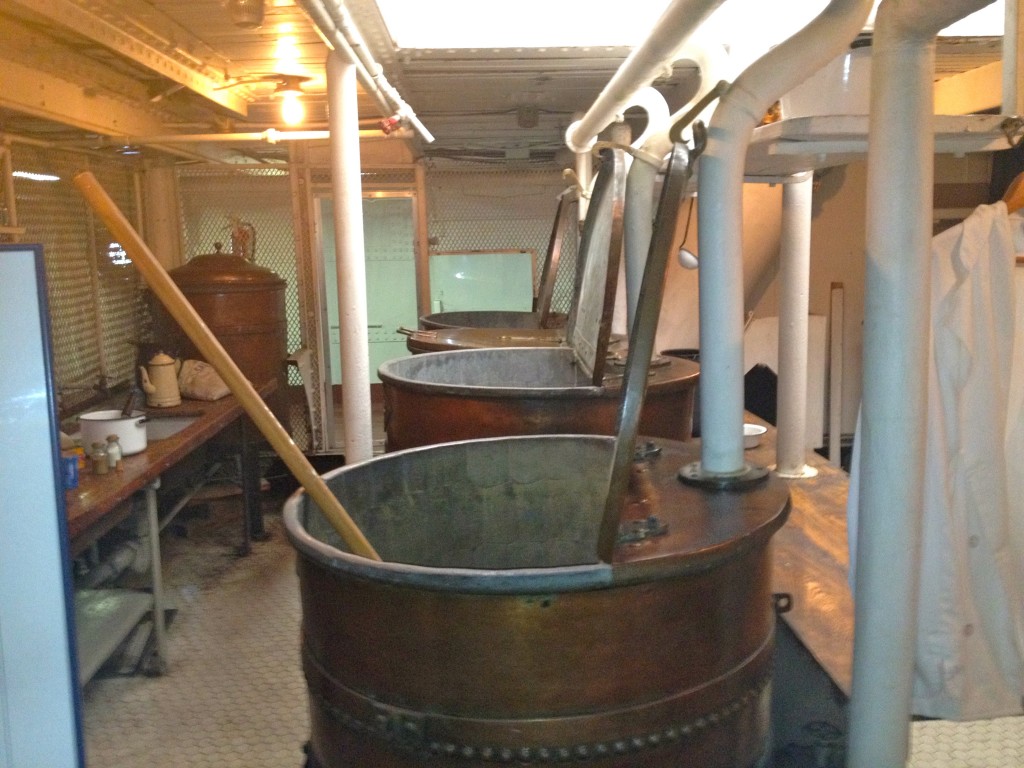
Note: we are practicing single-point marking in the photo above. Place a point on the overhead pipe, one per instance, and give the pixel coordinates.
(349, 251)
(269, 136)
(720, 214)
(644, 63)
(896, 324)
(72, 147)
(337, 28)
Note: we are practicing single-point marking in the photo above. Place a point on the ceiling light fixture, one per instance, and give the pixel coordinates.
(247, 14)
(289, 88)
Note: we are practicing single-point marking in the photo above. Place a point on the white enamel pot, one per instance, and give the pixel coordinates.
(130, 430)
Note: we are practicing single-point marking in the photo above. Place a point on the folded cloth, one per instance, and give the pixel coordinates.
(200, 381)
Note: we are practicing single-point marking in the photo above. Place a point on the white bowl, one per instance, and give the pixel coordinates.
(130, 430)
(752, 435)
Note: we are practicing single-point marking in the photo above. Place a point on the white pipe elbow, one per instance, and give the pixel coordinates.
(570, 139)
(922, 20)
(654, 104)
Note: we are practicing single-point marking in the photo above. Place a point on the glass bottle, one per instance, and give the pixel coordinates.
(100, 459)
(114, 454)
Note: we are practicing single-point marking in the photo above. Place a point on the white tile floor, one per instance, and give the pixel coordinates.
(234, 694)
(995, 743)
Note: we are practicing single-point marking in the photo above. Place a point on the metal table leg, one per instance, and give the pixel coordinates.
(249, 469)
(153, 518)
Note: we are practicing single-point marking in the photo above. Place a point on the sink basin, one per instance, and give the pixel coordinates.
(164, 427)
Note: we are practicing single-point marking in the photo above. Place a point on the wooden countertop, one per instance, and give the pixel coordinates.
(89, 506)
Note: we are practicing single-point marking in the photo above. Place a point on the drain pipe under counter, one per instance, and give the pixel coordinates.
(899, 209)
(720, 236)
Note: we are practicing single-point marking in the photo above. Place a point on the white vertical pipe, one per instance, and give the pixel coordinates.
(794, 303)
(585, 176)
(638, 227)
(899, 209)
(638, 218)
(835, 375)
(343, 120)
(721, 212)
(1013, 37)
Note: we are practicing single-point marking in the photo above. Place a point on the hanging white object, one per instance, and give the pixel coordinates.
(969, 658)
(970, 646)
(687, 258)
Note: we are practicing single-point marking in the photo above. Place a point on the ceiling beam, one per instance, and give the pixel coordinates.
(165, 58)
(975, 90)
(43, 95)
(30, 48)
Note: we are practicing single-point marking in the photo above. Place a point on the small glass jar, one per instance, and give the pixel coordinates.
(114, 454)
(100, 459)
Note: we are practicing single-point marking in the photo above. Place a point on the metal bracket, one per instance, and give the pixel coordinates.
(750, 475)
(648, 450)
(632, 531)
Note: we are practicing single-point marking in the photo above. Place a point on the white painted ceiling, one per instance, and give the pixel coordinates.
(100, 72)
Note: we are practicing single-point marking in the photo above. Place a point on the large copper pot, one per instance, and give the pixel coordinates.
(491, 635)
(243, 304)
(493, 392)
(458, 338)
(489, 318)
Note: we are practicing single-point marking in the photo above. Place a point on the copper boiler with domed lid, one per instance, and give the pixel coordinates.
(243, 304)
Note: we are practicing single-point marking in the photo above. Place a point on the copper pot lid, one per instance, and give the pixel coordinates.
(588, 327)
(221, 269)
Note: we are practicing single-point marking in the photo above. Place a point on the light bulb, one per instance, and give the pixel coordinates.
(292, 111)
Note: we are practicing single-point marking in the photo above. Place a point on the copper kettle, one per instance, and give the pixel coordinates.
(160, 381)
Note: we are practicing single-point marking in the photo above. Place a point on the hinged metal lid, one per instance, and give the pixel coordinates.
(600, 252)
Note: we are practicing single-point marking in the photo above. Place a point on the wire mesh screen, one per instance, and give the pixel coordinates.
(213, 199)
(381, 179)
(501, 210)
(96, 306)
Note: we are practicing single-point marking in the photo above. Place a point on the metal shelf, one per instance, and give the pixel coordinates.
(796, 145)
(103, 619)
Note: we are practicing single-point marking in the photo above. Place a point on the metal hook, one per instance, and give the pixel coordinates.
(675, 133)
